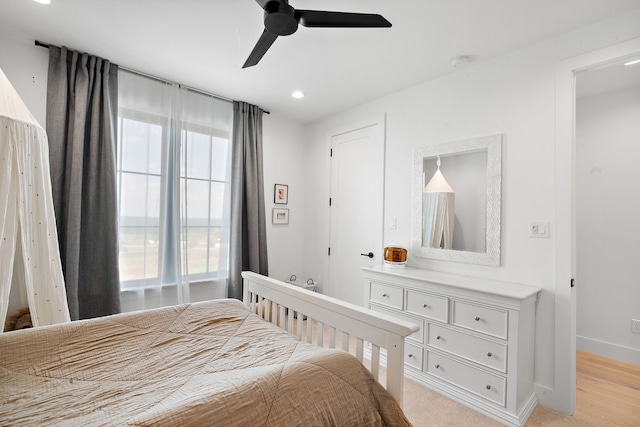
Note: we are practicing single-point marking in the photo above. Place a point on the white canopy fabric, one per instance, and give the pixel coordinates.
(27, 219)
(438, 184)
(438, 213)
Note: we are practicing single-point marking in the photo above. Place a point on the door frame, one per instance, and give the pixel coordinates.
(564, 202)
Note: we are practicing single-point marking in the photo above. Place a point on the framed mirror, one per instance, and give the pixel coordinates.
(457, 190)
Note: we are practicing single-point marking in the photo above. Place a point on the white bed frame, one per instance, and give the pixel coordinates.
(289, 302)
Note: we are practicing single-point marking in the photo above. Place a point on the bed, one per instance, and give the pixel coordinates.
(268, 360)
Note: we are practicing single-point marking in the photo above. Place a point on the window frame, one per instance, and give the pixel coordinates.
(169, 132)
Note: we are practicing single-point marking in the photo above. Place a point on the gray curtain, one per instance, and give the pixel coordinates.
(82, 108)
(248, 240)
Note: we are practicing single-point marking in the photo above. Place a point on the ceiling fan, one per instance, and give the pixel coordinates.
(280, 19)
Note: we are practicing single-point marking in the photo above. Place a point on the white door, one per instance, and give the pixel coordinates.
(357, 188)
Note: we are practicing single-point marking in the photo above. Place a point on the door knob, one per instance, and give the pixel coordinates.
(370, 254)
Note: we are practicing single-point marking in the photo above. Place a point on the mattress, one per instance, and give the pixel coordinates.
(208, 363)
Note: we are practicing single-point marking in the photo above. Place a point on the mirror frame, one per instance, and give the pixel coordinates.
(493, 145)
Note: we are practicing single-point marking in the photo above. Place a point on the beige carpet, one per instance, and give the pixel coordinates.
(425, 407)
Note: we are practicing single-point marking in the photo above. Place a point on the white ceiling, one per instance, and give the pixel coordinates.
(608, 78)
(203, 43)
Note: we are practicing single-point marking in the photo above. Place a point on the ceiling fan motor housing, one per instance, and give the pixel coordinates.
(280, 18)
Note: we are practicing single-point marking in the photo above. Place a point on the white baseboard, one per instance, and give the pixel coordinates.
(607, 349)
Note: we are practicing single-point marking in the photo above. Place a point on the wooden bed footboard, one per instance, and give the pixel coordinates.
(285, 305)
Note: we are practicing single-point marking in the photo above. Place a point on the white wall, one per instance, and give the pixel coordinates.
(283, 164)
(513, 95)
(608, 223)
(26, 67)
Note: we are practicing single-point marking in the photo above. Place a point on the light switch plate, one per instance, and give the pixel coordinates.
(539, 229)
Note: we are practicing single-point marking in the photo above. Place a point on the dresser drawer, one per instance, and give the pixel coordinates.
(417, 335)
(487, 320)
(489, 386)
(427, 305)
(413, 355)
(387, 295)
(485, 352)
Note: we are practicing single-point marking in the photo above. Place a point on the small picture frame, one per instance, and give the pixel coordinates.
(280, 216)
(281, 194)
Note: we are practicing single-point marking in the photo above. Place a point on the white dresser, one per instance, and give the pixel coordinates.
(476, 337)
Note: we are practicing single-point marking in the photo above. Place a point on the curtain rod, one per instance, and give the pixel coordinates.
(140, 73)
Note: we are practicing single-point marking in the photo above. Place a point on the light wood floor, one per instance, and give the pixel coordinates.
(607, 391)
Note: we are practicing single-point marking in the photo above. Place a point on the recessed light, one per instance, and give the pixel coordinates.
(43, 1)
(298, 94)
(635, 61)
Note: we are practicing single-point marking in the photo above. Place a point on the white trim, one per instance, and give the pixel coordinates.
(563, 396)
(608, 349)
(493, 145)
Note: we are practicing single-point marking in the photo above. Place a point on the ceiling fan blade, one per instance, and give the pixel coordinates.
(318, 18)
(264, 43)
(263, 3)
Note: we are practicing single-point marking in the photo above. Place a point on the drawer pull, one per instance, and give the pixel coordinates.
(488, 387)
(411, 355)
(437, 366)
(438, 337)
(426, 306)
(477, 318)
(489, 354)
(384, 295)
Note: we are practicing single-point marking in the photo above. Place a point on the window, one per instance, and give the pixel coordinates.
(203, 188)
(139, 190)
(173, 185)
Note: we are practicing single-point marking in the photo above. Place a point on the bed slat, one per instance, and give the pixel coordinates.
(299, 324)
(309, 330)
(320, 335)
(282, 320)
(360, 349)
(375, 361)
(345, 341)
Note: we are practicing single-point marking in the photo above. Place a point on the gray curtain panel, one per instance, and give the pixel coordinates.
(82, 108)
(248, 240)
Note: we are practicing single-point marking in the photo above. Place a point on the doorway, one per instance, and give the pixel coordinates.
(565, 219)
(607, 182)
(607, 186)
